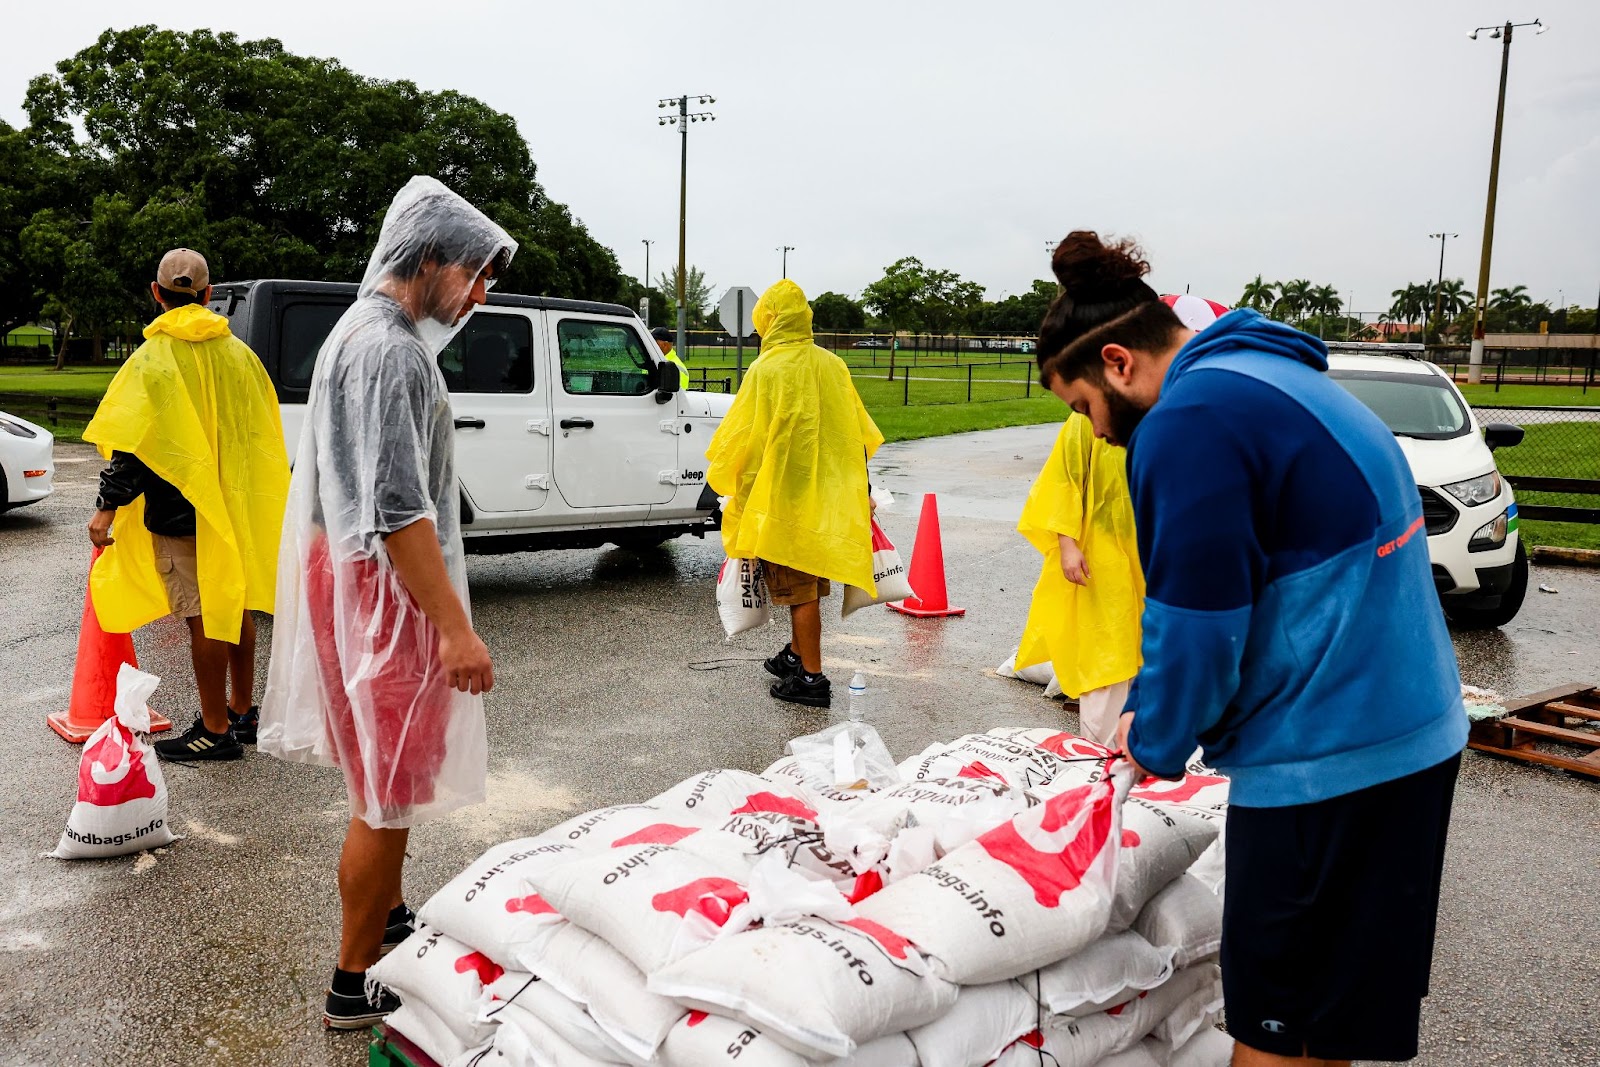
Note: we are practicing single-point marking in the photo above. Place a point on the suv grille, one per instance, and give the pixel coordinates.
(1437, 513)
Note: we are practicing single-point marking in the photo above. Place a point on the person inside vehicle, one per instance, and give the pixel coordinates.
(663, 339)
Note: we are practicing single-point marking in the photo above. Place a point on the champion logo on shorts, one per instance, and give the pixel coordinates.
(1273, 1026)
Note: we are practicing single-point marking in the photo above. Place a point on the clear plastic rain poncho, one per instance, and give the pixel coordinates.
(355, 678)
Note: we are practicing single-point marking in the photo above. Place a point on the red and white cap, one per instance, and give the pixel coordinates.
(1193, 311)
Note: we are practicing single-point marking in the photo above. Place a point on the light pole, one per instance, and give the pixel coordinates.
(647, 243)
(682, 120)
(786, 249)
(1475, 359)
(1438, 292)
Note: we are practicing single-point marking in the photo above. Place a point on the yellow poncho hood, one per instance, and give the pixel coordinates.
(196, 406)
(1089, 633)
(791, 454)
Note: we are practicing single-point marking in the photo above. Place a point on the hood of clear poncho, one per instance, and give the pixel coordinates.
(431, 248)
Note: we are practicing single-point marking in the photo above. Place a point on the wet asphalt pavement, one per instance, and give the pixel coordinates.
(613, 682)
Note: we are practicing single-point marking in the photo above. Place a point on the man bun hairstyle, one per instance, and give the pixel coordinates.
(1103, 300)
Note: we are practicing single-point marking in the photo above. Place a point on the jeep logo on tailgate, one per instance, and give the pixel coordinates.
(694, 476)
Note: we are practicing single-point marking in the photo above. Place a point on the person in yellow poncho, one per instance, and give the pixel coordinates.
(195, 496)
(1084, 619)
(791, 459)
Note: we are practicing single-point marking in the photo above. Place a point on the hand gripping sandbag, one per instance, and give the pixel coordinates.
(888, 574)
(122, 797)
(742, 598)
(1034, 890)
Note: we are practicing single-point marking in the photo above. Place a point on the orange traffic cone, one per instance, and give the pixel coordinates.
(94, 678)
(927, 569)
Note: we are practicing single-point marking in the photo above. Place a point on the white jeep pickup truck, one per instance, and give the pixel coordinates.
(571, 430)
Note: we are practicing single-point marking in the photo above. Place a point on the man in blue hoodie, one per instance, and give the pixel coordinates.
(1292, 631)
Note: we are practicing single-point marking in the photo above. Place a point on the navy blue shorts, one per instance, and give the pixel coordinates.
(1328, 918)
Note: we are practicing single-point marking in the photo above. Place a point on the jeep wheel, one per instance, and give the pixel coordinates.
(1468, 616)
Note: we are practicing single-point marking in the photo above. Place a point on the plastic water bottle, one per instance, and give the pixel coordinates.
(858, 697)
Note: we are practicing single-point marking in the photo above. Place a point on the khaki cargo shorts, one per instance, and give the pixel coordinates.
(175, 562)
(790, 588)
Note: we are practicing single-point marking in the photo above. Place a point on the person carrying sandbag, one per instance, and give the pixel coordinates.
(790, 457)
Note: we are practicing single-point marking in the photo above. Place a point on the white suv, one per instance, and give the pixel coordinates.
(1479, 565)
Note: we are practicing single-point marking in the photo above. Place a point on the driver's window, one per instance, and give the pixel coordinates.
(603, 359)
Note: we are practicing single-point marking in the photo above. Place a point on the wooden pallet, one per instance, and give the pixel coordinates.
(1568, 715)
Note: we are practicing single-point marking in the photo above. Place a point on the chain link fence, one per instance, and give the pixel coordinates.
(1555, 470)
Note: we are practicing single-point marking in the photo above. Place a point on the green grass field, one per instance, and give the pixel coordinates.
(1530, 396)
(77, 383)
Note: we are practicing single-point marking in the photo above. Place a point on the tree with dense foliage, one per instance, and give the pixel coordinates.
(1258, 294)
(835, 311)
(696, 296)
(269, 163)
(896, 297)
(1019, 313)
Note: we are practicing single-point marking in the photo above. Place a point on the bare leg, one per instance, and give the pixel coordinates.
(242, 667)
(369, 886)
(806, 621)
(210, 675)
(1244, 1056)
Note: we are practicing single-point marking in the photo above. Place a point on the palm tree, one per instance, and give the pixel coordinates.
(1293, 299)
(1457, 300)
(1514, 299)
(1324, 302)
(1410, 304)
(1258, 294)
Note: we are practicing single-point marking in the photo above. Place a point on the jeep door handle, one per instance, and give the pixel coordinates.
(577, 424)
(470, 422)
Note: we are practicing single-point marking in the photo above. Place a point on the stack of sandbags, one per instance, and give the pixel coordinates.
(1008, 899)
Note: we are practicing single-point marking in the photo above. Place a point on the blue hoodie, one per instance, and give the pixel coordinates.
(1291, 626)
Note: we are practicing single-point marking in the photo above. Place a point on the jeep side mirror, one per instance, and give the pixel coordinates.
(669, 381)
(1502, 435)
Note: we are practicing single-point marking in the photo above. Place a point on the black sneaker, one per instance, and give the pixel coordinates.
(244, 726)
(354, 1011)
(783, 664)
(199, 744)
(813, 690)
(402, 924)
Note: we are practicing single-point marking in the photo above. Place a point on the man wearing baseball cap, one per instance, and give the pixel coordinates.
(663, 339)
(194, 495)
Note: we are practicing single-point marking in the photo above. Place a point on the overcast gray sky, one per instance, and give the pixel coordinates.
(1323, 141)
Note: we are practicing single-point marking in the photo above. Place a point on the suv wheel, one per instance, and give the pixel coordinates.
(1468, 616)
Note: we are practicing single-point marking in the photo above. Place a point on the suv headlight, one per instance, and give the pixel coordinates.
(1475, 491)
(1491, 535)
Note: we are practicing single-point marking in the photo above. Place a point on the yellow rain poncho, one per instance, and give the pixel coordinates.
(196, 406)
(791, 454)
(1089, 633)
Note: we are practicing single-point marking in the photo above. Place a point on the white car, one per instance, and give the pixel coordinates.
(27, 463)
(1479, 565)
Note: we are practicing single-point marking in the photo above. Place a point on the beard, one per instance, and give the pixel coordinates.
(1124, 416)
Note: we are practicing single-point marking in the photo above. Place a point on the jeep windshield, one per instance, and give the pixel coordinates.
(1411, 405)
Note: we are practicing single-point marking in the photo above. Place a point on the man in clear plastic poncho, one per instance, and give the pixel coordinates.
(375, 665)
(791, 459)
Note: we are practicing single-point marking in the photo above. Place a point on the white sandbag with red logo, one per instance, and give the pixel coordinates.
(586, 970)
(817, 787)
(491, 907)
(431, 970)
(953, 810)
(1063, 1041)
(122, 796)
(888, 574)
(1038, 674)
(524, 1039)
(820, 988)
(1183, 1004)
(1018, 764)
(983, 1023)
(652, 903)
(1111, 971)
(1034, 890)
(438, 1039)
(701, 1039)
(742, 598)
